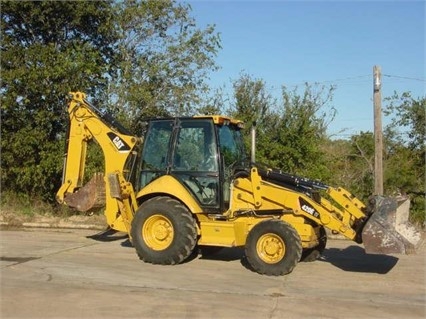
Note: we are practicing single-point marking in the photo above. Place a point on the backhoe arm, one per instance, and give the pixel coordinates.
(75, 151)
(118, 145)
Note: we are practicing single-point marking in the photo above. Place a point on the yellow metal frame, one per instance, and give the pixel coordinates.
(168, 185)
(85, 125)
(253, 200)
(254, 193)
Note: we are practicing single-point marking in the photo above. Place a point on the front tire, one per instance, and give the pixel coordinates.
(273, 248)
(163, 231)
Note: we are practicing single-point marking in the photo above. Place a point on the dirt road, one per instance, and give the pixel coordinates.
(65, 274)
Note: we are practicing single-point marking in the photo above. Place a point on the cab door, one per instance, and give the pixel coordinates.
(195, 161)
(156, 151)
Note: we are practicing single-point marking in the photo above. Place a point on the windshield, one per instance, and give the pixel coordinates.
(231, 145)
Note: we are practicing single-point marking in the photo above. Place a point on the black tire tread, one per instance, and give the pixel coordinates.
(293, 248)
(185, 231)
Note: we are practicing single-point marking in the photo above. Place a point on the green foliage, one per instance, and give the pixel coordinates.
(213, 104)
(147, 57)
(406, 145)
(290, 132)
(164, 60)
(407, 142)
(20, 204)
(417, 209)
(300, 129)
(410, 114)
(48, 49)
(403, 158)
(251, 105)
(291, 135)
(361, 162)
(252, 101)
(402, 175)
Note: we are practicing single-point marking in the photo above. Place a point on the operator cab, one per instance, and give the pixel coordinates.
(200, 152)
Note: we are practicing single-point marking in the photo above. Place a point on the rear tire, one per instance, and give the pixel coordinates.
(163, 231)
(273, 248)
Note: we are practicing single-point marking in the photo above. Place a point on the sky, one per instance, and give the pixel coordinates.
(327, 42)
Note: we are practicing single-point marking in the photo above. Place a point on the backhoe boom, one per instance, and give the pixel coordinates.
(87, 123)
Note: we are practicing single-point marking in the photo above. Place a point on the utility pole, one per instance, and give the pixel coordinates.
(378, 134)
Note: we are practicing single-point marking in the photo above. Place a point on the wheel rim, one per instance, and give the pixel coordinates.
(157, 232)
(270, 248)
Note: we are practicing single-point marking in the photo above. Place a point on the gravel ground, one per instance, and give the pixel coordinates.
(13, 220)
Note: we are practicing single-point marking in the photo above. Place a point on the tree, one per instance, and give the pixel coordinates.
(405, 162)
(48, 49)
(251, 104)
(361, 161)
(164, 60)
(141, 58)
(290, 131)
(252, 101)
(408, 114)
(214, 103)
(297, 131)
(407, 142)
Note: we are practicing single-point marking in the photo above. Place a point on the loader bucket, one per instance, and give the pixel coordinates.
(88, 197)
(388, 230)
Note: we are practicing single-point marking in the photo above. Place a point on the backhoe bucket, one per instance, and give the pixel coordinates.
(388, 230)
(88, 197)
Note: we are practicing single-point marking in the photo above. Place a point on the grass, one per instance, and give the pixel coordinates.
(27, 206)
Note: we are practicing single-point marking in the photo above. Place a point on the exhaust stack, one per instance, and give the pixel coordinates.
(253, 142)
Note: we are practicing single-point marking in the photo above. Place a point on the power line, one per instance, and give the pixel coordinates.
(344, 79)
(340, 79)
(359, 77)
(294, 85)
(403, 77)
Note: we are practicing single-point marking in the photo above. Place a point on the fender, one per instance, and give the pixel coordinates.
(170, 186)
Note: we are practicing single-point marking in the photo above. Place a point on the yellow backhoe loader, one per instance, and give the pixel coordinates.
(187, 183)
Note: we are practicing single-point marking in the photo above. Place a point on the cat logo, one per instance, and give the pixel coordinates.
(118, 142)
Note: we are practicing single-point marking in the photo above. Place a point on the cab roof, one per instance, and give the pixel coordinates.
(222, 119)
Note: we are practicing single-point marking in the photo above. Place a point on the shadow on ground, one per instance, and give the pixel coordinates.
(220, 253)
(108, 235)
(224, 254)
(352, 258)
(355, 259)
